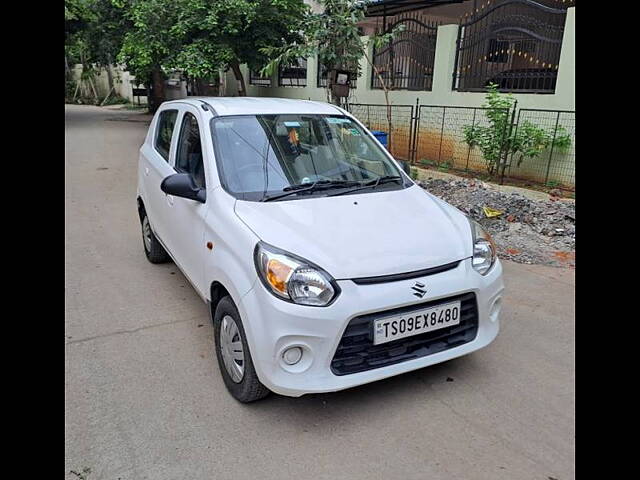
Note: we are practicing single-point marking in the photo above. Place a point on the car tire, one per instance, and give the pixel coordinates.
(153, 250)
(239, 376)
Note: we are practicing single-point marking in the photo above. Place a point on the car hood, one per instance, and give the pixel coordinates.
(362, 235)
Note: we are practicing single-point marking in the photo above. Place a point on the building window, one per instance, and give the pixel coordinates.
(294, 75)
(257, 80)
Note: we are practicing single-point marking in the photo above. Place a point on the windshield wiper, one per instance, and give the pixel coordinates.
(371, 184)
(310, 187)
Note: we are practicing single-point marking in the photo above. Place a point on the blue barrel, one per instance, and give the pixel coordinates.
(381, 136)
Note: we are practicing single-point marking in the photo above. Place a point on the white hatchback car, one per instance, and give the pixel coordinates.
(324, 265)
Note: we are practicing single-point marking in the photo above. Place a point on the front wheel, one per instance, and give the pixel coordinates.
(152, 249)
(234, 358)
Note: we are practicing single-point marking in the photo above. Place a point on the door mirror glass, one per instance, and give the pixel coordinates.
(405, 166)
(183, 185)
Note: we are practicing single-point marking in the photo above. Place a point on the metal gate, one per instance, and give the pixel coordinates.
(514, 44)
(398, 123)
(406, 63)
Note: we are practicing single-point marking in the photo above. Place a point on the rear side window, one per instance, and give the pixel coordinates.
(166, 123)
(189, 150)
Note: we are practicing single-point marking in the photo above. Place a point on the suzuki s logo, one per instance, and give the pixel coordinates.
(419, 289)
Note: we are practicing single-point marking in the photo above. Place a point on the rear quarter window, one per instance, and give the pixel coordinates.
(164, 132)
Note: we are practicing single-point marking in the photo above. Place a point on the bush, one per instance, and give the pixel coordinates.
(499, 140)
(69, 90)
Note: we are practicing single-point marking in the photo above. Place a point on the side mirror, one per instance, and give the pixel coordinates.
(182, 185)
(405, 166)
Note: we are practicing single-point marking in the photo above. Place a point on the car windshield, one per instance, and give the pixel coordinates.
(260, 157)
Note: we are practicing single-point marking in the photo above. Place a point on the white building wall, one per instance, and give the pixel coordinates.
(442, 92)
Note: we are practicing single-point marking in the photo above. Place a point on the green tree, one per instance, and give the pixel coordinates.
(94, 30)
(151, 43)
(105, 35)
(202, 37)
(223, 35)
(77, 15)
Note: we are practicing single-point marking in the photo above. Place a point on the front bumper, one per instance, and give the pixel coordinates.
(273, 325)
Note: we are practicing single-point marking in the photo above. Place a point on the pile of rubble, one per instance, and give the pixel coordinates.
(525, 230)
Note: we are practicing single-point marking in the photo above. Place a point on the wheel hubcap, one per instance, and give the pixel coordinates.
(146, 234)
(231, 349)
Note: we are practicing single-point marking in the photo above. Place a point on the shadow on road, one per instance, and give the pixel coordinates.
(365, 402)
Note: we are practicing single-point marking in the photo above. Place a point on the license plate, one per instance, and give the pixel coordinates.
(414, 323)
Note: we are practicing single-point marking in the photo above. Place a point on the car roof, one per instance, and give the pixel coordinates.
(224, 106)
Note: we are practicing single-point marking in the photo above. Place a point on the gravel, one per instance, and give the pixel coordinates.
(527, 231)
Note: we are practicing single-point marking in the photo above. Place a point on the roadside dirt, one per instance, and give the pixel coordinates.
(526, 230)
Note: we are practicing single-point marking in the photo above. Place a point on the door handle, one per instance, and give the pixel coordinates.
(146, 171)
(170, 199)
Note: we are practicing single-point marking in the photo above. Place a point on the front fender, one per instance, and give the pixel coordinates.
(231, 260)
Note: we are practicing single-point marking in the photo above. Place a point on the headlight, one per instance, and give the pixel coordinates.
(292, 278)
(484, 250)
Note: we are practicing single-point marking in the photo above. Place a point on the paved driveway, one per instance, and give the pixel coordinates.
(144, 398)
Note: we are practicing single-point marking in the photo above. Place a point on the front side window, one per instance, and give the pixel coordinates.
(262, 155)
(166, 124)
(189, 151)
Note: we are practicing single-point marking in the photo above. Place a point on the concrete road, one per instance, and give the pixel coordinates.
(145, 400)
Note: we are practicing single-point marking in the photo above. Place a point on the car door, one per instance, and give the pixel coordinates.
(185, 238)
(155, 166)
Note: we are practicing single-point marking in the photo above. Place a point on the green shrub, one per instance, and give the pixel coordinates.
(498, 140)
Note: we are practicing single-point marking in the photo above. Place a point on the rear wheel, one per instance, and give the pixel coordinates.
(153, 250)
(234, 358)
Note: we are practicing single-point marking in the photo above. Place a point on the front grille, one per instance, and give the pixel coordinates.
(357, 353)
(405, 276)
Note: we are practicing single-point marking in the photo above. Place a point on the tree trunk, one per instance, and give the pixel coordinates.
(149, 86)
(202, 87)
(157, 90)
(110, 77)
(67, 70)
(242, 89)
(386, 99)
(222, 86)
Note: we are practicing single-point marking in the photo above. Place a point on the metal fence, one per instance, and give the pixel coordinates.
(399, 133)
(556, 165)
(440, 137)
(433, 136)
